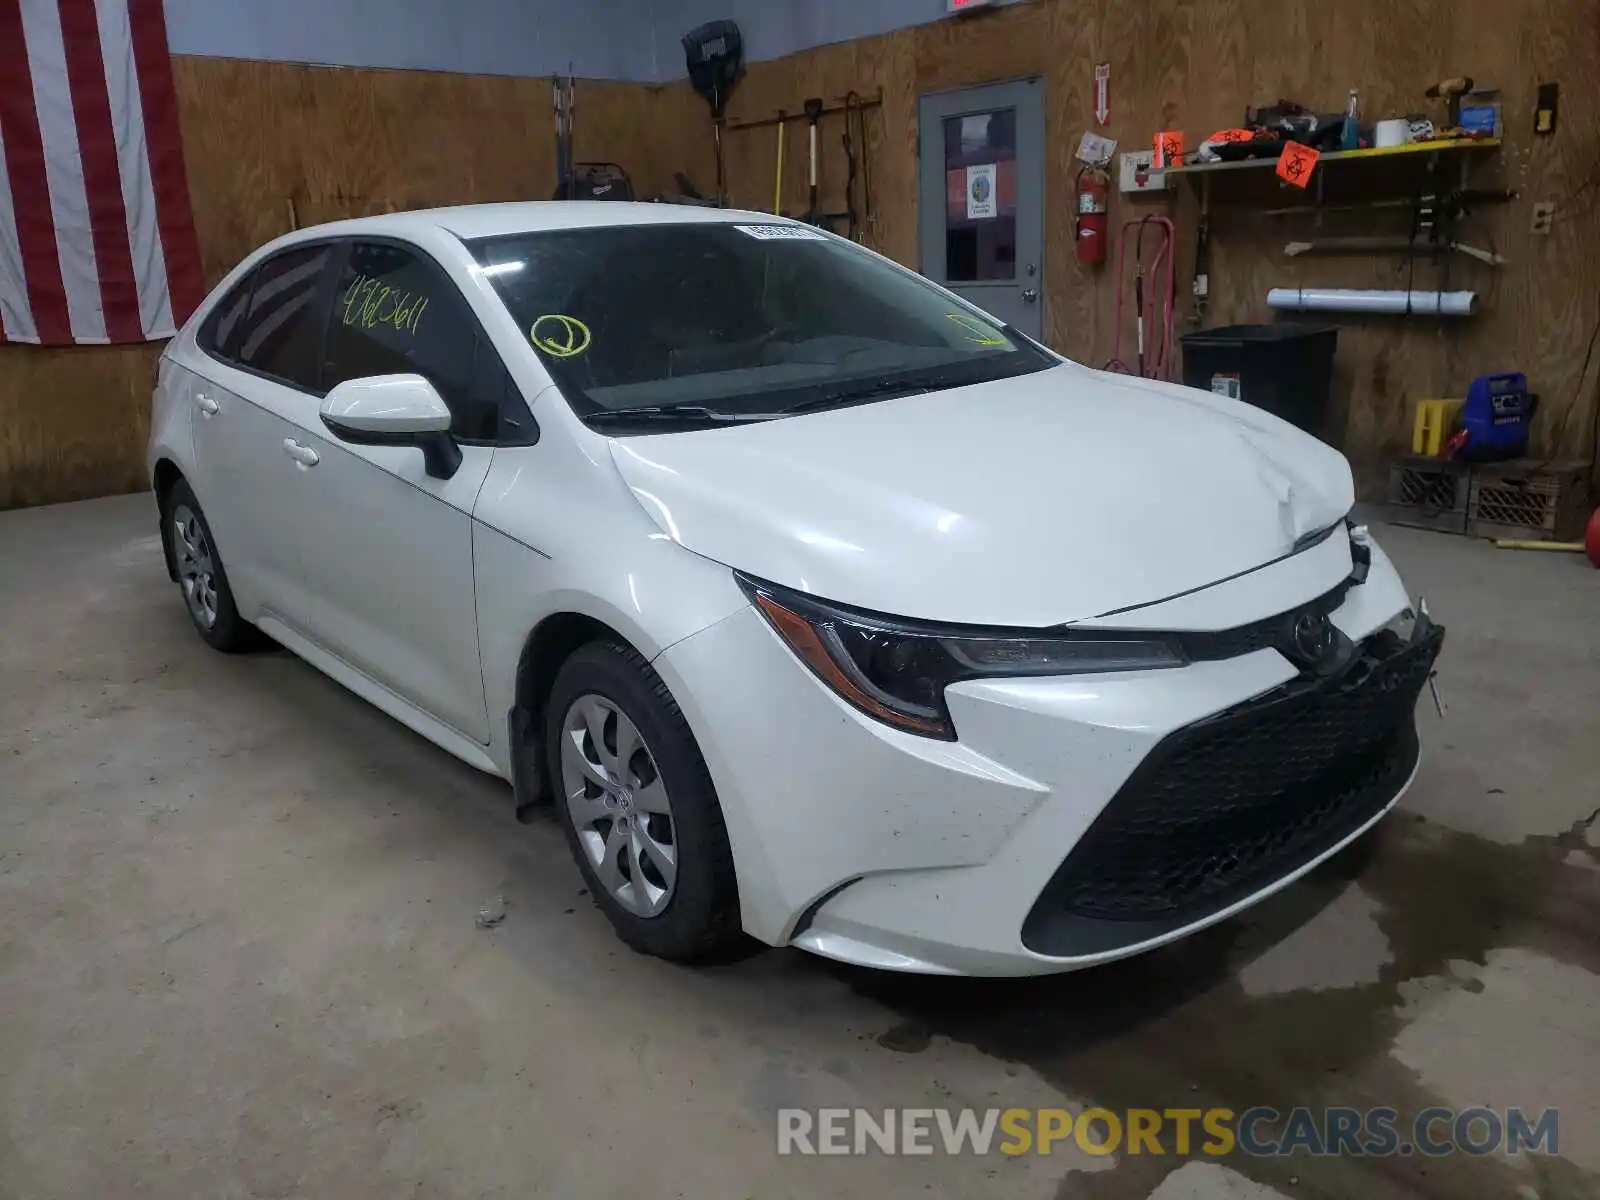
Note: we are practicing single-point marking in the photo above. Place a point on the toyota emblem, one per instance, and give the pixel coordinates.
(1313, 638)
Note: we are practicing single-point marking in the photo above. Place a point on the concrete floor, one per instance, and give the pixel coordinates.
(238, 954)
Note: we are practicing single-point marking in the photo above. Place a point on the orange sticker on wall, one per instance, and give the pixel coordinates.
(1169, 149)
(1297, 163)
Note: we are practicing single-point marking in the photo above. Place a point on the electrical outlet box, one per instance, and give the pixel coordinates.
(1543, 214)
(1138, 174)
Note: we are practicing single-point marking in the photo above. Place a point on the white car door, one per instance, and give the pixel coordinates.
(389, 557)
(251, 393)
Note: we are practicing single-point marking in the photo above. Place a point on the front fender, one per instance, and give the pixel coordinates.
(652, 594)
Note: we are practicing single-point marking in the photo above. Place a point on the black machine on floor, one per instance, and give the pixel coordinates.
(596, 181)
(715, 57)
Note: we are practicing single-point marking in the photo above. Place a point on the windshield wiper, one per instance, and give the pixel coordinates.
(883, 389)
(676, 413)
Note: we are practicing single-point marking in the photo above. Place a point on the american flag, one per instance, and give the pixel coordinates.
(97, 241)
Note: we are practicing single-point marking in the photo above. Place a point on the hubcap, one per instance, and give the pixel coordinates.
(619, 805)
(197, 572)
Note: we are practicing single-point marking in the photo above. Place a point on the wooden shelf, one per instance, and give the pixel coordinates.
(1459, 148)
(1334, 156)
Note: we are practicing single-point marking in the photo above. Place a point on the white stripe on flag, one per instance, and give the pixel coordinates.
(16, 318)
(63, 165)
(133, 161)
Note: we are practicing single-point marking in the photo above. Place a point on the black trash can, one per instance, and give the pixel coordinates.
(1286, 368)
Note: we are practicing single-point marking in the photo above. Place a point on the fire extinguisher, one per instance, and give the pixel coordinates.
(1094, 193)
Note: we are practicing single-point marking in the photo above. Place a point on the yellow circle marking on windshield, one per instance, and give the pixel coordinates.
(559, 335)
(977, 331)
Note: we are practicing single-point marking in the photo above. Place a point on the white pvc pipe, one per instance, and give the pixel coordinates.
(1443, 304)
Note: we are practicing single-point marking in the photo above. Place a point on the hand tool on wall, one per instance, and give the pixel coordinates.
(560, 114)
(1202, 268)
(849, 219)
(852, 215)
(562, 98)
(856, 218)
(1380, 245)
(813, 109)
(863, 218)
(1455, 204)
(777, 183)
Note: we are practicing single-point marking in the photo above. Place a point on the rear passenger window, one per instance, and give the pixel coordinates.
(282, 326)
(395, 313)
(218, 331)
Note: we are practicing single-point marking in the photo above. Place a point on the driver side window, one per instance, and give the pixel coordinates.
(395, 312)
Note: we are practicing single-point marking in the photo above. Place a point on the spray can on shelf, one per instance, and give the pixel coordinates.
(1350, 134)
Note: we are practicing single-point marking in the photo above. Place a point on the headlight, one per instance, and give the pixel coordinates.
(897, 671)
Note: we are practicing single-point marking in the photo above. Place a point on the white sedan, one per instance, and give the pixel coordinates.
(823, 608)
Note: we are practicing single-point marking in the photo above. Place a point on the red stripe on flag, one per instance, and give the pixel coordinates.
(30, 188)
(174, 213)
(102, 177)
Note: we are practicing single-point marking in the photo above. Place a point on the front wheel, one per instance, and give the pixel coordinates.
(201, 576)
(638, 807)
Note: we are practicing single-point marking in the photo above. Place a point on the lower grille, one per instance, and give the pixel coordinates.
(1226, 806)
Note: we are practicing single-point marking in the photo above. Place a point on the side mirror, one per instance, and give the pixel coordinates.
(394, 410)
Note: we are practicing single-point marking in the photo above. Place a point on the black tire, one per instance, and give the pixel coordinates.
(229, 632)
(700, 922)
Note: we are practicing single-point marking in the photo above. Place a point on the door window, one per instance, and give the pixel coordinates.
(218, 332)
(980, 171)
(282, 324)
(395, 313)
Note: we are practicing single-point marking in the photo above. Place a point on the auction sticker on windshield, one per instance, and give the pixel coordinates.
(779, 233)
(559, 335)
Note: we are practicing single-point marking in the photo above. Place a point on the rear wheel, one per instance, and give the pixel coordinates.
(638, 807)
(201, 577)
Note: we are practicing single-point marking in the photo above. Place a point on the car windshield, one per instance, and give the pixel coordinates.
(716, 322)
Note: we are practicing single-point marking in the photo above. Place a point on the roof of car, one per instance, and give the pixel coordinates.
(495, 220)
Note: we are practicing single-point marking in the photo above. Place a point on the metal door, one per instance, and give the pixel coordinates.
(981, 197)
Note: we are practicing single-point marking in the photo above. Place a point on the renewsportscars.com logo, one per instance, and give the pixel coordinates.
(1258, 1132)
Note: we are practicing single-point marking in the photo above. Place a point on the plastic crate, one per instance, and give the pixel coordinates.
(1535, 501)
(1429, 493)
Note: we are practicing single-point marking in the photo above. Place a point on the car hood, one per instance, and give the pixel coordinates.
(1032, 501)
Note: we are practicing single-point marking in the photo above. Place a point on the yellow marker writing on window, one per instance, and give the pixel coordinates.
(977, 331)
(559, 335)
(367, 303)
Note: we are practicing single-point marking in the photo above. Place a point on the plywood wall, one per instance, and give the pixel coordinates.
(263, 140)
(338, 142)
(1195, 65)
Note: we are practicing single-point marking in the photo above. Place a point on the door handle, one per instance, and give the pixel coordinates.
(1031, 295)
(303, 456)
(206, 404)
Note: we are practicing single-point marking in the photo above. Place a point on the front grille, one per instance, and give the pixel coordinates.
(1223, 807)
